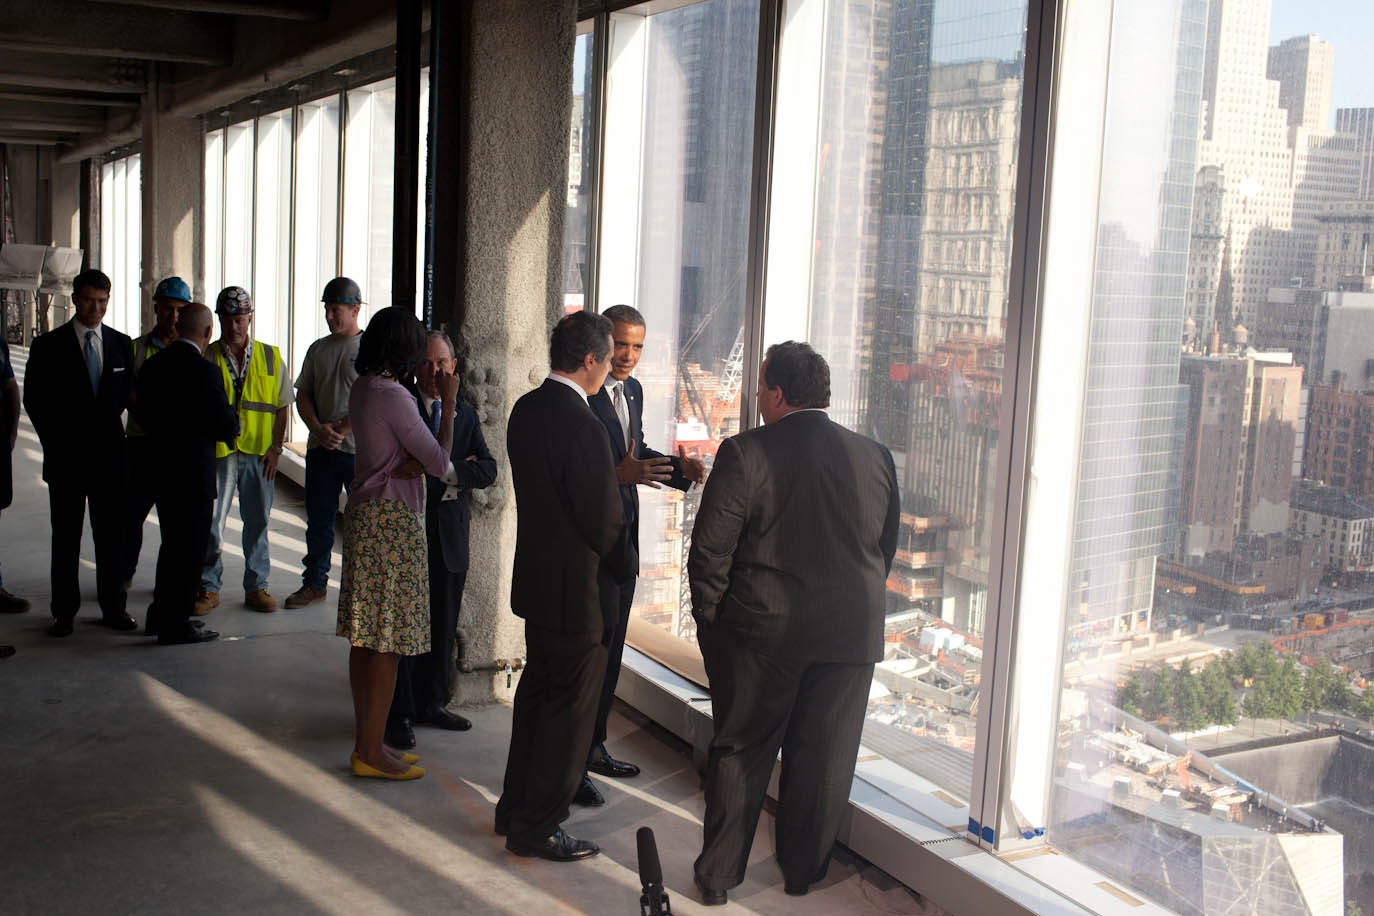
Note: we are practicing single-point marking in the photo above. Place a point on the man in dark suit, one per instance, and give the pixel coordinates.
(182, 406)
(568, 521)
(76, 388)
(788, 567)
(424, 683)
(620, 406)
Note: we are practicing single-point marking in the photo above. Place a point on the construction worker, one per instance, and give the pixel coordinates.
(258, 385)
(322, 391)
(170, 296)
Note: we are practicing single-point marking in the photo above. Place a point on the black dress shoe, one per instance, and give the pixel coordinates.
(60, 628)
(604, 764)
(185, 635)
(120, 621)
(708, 896)
(795, 890)
(440, 717)
(399, 734)
(150, 625)
(556, 847)
(588, 795)
(6, 651)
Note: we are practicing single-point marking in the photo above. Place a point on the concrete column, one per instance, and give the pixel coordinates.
(172, 195)
(520, 61)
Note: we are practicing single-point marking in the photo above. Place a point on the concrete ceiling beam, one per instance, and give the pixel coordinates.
(62, 126)
(73, 83)
(126, 131)
(147, 51)
(55, 98)
(17, 140)
(304, 11)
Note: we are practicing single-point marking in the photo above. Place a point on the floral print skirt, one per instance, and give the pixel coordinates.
(384, 586)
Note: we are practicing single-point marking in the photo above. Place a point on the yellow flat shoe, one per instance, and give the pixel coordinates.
(362, 769)
(408, 757)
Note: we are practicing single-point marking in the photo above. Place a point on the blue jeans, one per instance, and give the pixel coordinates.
(244, 473)
(327, 471)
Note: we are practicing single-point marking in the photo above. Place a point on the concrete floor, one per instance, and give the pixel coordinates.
(214, 778)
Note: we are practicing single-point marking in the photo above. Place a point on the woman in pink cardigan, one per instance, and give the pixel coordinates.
(384, 588)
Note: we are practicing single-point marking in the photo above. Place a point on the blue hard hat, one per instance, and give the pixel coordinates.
(342, 291)
(172, 288)
(233, 300)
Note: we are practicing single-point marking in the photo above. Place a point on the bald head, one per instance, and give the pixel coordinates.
(195, 323)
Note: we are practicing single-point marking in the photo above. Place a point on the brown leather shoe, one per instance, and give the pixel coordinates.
(305, 595)
(259, 600)
(205, 603)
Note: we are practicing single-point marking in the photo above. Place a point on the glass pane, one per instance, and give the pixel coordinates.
(272, 249)
(680, 103)
(129, 286)
(1211, 748)
(889, 251)
(238, 209)
(214, 212)
(369, 176)
(316, 238)
(582, 126)
(110, 230)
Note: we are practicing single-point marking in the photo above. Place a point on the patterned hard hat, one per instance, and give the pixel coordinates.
(342, 291)
(233, 300)
(172, 288)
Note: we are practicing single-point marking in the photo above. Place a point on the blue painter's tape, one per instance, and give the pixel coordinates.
(989, 835)
(972, 826)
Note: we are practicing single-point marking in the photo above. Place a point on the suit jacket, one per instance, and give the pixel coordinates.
(794, 539)
(182, 406)
(568, 512)
(628, 542)
(82, 432)
(446, 523)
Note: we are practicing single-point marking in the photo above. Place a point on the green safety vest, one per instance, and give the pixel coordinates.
(257, 403)
(143, 351)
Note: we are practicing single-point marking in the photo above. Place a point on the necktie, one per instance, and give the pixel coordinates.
(434, 407)
(92, 362)
(622, 411)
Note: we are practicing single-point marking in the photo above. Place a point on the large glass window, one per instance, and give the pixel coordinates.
(369, 176)
(581, 161)
(902, 122)
(674, 244)
(271, 287)
(237, 260)
(214, 213)
(121, 241)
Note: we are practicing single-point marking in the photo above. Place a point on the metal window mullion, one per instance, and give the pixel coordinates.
(992, 748)
(760, 185)
(289, 355)
(339, 203)
(601, 56)
(253, 221)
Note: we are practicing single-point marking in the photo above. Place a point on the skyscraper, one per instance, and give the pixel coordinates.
(1359, 122)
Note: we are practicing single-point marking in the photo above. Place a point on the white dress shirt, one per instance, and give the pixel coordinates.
(564, 380)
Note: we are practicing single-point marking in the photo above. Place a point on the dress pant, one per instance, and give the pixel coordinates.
(184, 521)
(244, 474)
(68, 502)
(327, 471)
(550, 730)
(426, 680)
(140, 497)
(814, 712)
(614, 652)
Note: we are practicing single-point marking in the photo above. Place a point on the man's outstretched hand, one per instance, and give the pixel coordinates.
(649, 471)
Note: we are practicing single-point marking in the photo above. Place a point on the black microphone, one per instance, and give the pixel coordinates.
(654, 901)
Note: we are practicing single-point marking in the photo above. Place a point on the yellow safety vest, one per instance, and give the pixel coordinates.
(143, 350)
(257, 403)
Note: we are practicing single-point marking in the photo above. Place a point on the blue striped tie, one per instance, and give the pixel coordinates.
(92, 362)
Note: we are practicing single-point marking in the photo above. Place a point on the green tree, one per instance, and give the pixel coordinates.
(1288, 689)
(1159, 698)
(1216, 692)
(1189, 712)
(1364, 705)
(1131, 694)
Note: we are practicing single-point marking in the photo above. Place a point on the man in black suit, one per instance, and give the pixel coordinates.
(424, 683)
(620, 406)
(788, 568)
(76, 388)
(568, 521)
(182, 406)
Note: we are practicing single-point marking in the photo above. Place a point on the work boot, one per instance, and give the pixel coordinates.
(205, 603)
(305, 595)
(259, 600)
(12, 604)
